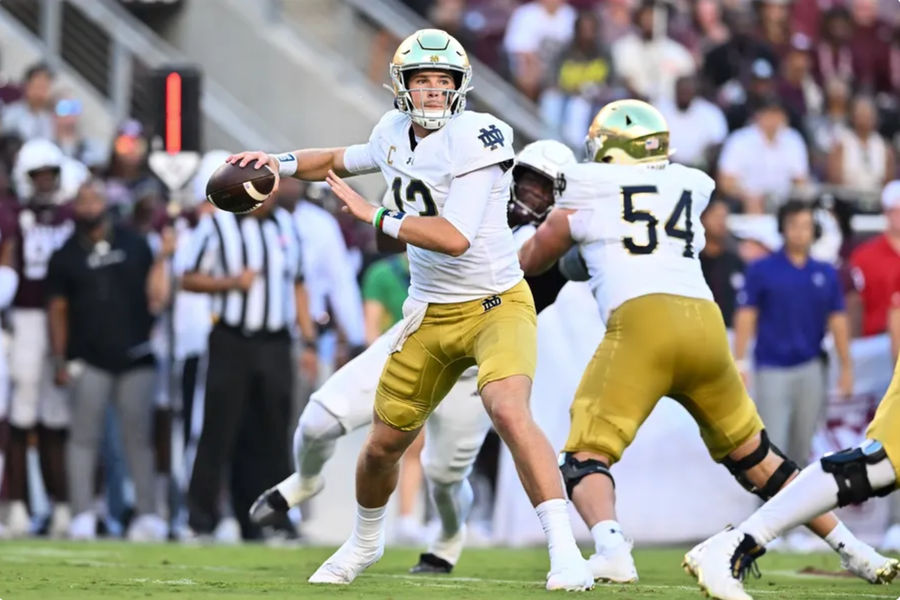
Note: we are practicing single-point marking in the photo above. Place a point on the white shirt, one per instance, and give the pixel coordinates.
(694, 130)
(864, 161)
(19, 119)
(652, 67)
(531, 26)
(327, 271)
(419, 182)
(638, 228)
(763, 167)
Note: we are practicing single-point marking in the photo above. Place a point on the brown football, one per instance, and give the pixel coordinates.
(239, 189)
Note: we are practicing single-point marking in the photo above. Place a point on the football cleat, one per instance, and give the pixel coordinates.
(574, 577)
(721, 563)
(347, 563)
(431, 564)
(615, 565)
(271, 507)
(865, 562)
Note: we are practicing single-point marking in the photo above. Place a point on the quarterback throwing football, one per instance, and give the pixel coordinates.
(447, 173)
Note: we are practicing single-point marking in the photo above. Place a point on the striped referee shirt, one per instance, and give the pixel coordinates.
(224, 244)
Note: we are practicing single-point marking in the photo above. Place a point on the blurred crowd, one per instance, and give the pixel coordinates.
(765, 95)
(782, 102)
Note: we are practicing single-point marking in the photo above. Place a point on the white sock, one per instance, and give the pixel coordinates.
(368, 531)
(453, 502)
(841, 538)
(607, 535)
(554, 518)
(812, 493)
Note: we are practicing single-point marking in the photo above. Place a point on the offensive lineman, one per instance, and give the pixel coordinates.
(635, 218)
(468, 303)
(456, 429)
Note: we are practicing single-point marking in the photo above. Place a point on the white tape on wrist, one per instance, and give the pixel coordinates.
(391, 222)
(287, 164)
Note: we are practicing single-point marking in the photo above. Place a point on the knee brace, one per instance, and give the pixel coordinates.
(860, 472)
(739, 468)
(574, 470)
(317, 424)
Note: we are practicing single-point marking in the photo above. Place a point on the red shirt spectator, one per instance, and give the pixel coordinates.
(875, 266)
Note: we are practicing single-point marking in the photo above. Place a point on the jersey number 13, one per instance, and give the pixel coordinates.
(631, 215)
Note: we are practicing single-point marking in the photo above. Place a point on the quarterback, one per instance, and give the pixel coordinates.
(635, 219)
(447, 174)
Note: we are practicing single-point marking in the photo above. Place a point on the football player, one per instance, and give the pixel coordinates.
(456, 429)
(850, 476)
(45, 180)
(447, 172)
(635, 219)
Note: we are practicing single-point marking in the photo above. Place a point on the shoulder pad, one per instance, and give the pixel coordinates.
(477, 140)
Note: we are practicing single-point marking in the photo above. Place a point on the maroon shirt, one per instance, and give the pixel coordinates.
(40, 231)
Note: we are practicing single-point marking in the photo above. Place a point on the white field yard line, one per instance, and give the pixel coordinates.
(423, 580)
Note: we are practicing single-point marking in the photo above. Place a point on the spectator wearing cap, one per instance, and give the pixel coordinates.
(833, 53)
(536, 33)
(722, 268)
(875, 270)
(788, 302)
(860, 159)
(649, 61)
(31, 117)
(697, 127)
(68, 134)
(742, 103)
(761, 163)
(582, 77)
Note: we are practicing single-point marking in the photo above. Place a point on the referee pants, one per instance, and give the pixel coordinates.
(246, 413)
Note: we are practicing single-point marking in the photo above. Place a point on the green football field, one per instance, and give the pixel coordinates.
(54, 570)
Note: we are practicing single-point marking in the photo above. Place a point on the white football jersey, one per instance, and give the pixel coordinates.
(418, 182)
(638, 228)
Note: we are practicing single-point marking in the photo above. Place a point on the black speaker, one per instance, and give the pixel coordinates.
(176, 121)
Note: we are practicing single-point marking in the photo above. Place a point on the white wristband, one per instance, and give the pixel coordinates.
(287, 164)
(391, 222)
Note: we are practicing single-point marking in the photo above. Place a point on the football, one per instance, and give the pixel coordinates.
(239, 189)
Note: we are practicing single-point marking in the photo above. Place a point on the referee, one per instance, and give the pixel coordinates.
(252, 266)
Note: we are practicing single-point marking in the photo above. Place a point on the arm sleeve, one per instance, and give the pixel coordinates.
(468, 199)
(56, 276)
(751, 294)
(358, 159)
(838, 303)
(9, 282)
(200, 252)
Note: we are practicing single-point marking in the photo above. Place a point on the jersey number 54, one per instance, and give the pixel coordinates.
(631, 215)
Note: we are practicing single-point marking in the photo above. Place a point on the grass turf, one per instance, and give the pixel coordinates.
(58, 570)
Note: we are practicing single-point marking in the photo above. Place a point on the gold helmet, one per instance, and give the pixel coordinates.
(628, 132)
(433, 50)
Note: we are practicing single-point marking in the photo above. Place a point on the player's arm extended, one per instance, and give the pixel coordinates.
(312, 164)
(551, 240)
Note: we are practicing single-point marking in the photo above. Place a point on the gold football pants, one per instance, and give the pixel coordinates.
(498, 333)
(661, 345)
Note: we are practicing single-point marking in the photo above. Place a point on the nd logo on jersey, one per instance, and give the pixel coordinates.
(491, 137)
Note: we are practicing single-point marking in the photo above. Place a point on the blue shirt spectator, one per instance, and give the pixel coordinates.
(793, 304)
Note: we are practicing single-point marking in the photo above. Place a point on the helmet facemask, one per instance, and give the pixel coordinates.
(532, 196)
(430, 118)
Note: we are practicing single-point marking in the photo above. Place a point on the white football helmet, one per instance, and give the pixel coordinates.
(546, 158)
(41, 154)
